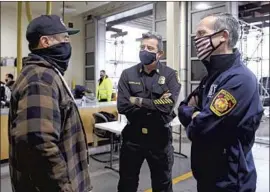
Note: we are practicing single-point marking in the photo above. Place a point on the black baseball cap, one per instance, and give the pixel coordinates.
(47, 25)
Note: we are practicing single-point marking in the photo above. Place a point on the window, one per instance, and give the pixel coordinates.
(196, 17)
(194, 86)
(163, 62)
(204, 5)
(198, 70)
(90, 30)
(193, 48)
(90, 73)
(90, 59)
(161, 29)
(160, 10)
(90, 45)
(164, 57)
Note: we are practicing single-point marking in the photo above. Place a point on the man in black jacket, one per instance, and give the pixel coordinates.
(147, 94)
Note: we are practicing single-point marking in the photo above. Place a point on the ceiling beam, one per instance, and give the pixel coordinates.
(129, 18)
(256, 19)
(113, 29)
(114, 7)
(264, 8)
(122, 34)
(249, 6)
(252, 8)
(263, 25)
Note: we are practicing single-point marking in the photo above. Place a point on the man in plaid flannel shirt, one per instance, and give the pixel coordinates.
(48, 147)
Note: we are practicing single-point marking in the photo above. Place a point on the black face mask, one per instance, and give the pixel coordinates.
(59, 54)
(147, 58)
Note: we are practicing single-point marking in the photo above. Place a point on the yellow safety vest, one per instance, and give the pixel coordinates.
(104, 90)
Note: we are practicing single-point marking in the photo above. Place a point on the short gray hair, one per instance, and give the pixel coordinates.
(154, 35)
(228, 22)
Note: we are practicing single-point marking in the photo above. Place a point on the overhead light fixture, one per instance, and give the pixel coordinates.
(202, 6)
(68, 10)
(267, 21)
(256, 23)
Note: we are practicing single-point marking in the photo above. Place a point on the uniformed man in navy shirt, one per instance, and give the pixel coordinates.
(147, 94)
(222, 115)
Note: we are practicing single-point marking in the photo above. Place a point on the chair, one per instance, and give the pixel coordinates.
(103, 117)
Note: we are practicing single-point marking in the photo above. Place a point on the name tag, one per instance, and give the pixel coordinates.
(212, 90)
(134, 83)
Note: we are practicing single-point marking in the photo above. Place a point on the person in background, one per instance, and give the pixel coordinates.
(9, 79)
(105, 88)
(2, 94)
(147, 93)
(79, 91)
(48, 150)
(8, 86)
(222, 115)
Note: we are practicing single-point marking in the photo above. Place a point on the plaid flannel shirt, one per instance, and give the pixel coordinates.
(48, 149)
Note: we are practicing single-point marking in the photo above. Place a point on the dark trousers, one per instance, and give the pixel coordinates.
(160, 162)
(204, 186)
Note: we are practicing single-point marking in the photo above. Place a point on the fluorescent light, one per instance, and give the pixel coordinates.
(256, 23)
(68, 10)
(202, 6)
(267, 21)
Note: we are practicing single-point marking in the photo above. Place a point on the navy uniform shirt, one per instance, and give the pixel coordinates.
(223, 133)
(154, 112)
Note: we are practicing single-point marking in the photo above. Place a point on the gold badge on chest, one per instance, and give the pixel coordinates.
(144, 131)
(161, 80)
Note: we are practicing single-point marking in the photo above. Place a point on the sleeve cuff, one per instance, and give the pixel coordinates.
(185, 114)
(147, 103)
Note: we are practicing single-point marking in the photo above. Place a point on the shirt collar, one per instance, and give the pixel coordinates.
(221, 62)
(157, 70)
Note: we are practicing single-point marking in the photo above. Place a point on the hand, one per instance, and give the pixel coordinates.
(132, 100)
(136, 101)
(193, 102)
(166, 95)
(195, 114)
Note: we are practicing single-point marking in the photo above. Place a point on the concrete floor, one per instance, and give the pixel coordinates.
(105, 180)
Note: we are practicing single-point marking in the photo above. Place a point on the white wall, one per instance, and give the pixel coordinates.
(9, 41)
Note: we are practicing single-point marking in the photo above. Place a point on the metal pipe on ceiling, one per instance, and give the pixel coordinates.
(63, 12)
(48, 7)
(183, 45)
(28, 11)
(19, 37)
(129, 18)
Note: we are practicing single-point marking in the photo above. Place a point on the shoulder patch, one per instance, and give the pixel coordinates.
(223, 103)
(177, 76)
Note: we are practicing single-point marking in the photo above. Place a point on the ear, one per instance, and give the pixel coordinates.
(160, 54)
(44, 42)
(224, 36)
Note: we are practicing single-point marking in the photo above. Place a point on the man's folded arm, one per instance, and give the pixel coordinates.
(124, 105)
(165, 105)
(227, 105)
